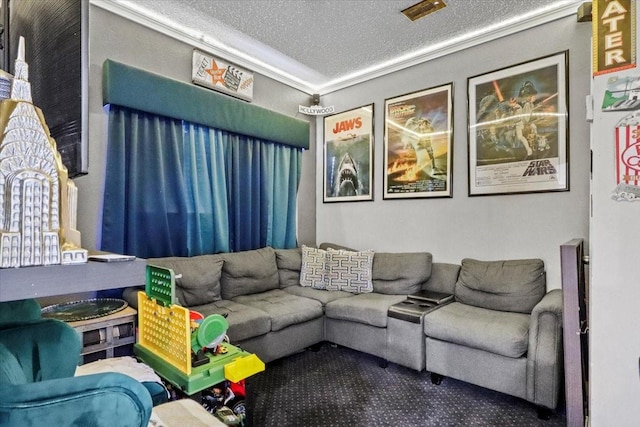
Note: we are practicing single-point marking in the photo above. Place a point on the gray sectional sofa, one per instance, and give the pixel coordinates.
(502, 330)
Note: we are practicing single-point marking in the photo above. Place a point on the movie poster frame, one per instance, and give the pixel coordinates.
(359, 129)
(493, 91)
(437, 100)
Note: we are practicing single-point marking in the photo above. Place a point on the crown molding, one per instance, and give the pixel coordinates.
(464, 42)
(457, 44)
(122, 10)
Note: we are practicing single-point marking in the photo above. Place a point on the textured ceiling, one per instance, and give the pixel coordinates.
(323, 44)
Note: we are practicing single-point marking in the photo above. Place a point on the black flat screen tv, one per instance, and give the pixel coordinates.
(55, 33)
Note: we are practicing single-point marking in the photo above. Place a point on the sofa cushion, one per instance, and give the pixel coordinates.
(370, 308)
(400, 273)
(321, 295)
(244, 321)
(198, 277)
(313, 270)
(283, 308)
(494, 331)
(289, 263)
(514, 285)
(349, 271)
(249, 272)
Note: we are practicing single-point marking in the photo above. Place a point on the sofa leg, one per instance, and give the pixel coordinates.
(544, 413)
(383, 363)
(436, 378)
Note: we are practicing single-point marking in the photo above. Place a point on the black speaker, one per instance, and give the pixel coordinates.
(315, 99)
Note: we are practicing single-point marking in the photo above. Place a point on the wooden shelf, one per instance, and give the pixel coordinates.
(38, 282)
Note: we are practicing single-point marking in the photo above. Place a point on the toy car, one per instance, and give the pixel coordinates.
(227, 416)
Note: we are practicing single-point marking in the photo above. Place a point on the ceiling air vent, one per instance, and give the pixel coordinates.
(423, 8)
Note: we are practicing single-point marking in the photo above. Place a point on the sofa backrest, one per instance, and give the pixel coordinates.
(513, 285)
(396, 273)
(289, 263)
(443, 277)
(248, 272)
(19, 311)
(198, 277)
(400, 273)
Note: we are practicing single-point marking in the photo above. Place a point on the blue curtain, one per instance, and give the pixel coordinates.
(263, 180)
(178, 189)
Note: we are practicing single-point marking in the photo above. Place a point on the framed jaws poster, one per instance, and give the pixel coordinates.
(518, 128)
(348, 156)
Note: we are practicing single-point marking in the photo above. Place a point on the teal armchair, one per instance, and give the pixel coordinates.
(16, 312)
(38, 358)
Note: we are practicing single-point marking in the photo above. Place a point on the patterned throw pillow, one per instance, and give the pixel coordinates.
(349, 271)
(314, 267)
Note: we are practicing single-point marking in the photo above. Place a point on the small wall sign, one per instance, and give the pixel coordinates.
(614, 29)
(316, 110)
(217, 74)
(628, 158)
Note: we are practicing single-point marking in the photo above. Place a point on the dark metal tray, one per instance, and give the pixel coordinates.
(84, 310)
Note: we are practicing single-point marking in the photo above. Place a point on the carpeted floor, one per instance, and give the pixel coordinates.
(336, 386)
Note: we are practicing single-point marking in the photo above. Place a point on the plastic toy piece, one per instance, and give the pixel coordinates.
(189, 353)
(210, 333)
(207, 335)
(165, 331)
(200, 377)
(161, 284)
(243, 367)
(227, 416)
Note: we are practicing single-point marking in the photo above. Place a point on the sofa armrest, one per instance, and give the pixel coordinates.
(130, 295)
(108, 399)
(544, 357)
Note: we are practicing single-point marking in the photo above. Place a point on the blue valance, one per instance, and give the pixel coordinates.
(145, 91)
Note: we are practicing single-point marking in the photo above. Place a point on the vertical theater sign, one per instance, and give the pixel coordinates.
(613, 35)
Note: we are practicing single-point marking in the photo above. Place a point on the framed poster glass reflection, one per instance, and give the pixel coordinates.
(418, 144)
(348, 155)
(518, 121)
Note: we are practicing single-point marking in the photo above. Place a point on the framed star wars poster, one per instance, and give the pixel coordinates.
(418, 137)
(348, 156)
(518, 121)
(217, 74)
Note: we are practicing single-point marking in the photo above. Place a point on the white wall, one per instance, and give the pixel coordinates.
(114, 37)
(614, 318)
(487, 227)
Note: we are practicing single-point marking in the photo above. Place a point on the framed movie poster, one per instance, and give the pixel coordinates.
(418, 144)
(518, 121)
(348, 155)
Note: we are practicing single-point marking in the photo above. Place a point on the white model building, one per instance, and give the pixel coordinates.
(38, 201)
